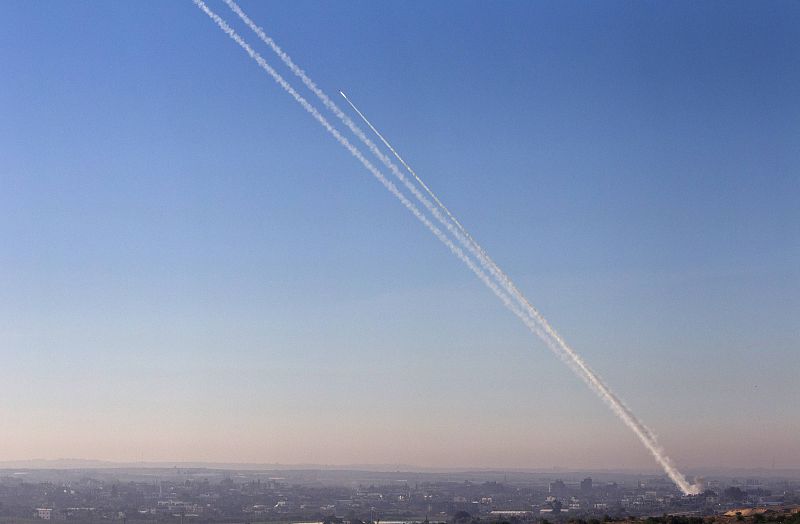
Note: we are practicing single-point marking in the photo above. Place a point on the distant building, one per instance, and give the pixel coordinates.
(557, 488)
(43, 513)
(511, 513)
(586, 485)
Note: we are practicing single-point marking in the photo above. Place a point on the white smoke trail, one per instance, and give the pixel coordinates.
(450, 222)
(366, 163)
(462, 235)
(529, 315)
(534, 327)
(562, 349)
(452, 225)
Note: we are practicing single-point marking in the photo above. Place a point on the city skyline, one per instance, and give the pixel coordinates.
(355, 497)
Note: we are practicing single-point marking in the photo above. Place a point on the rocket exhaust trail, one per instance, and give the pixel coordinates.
(564, 351)
(491, 284)
(462, 235)
(529, 315)
(450, 223)
(413, 173)
(442, 237)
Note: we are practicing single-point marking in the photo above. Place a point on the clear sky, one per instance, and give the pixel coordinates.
(192, 269)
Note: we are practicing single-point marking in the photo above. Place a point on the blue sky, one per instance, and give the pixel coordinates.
(191, 269)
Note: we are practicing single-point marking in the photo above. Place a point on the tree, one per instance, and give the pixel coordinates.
(462, 517)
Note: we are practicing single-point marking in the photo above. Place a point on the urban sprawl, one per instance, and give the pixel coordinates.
(359, 497)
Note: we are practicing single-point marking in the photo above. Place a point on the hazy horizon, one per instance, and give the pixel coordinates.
(91, 464)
